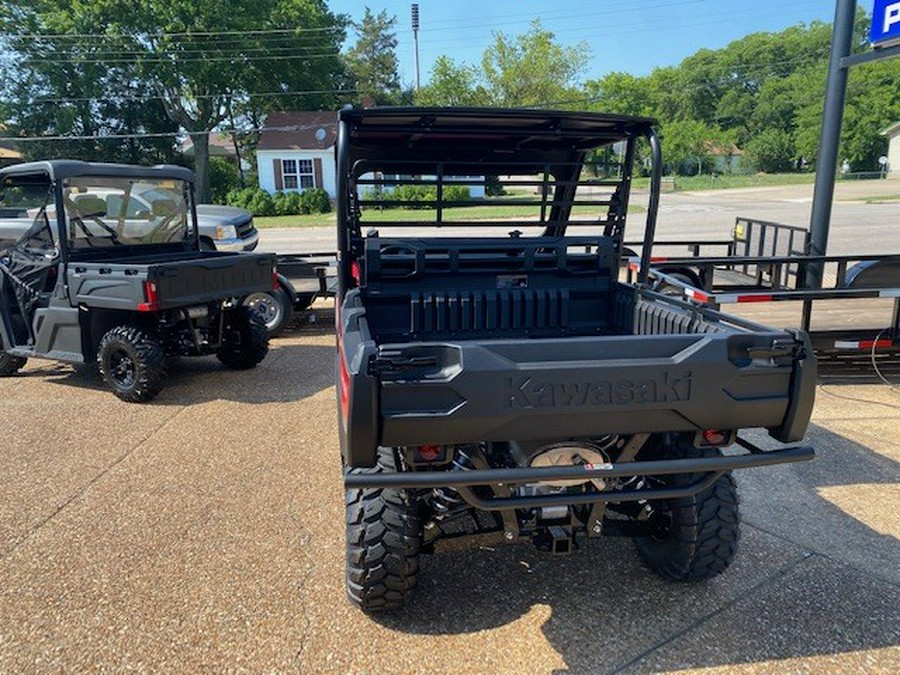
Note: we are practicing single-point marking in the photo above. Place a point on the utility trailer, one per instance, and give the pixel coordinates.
(766, 262)
(300, 279)
(495, 377)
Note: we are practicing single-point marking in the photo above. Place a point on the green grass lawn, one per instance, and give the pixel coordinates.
(450, 215)
(879, 199)
(689, 183)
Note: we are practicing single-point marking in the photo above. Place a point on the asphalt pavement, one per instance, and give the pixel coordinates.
(204, 533)
(857, 227)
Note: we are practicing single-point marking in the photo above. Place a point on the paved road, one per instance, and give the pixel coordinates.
(204, 532)
(857, 227)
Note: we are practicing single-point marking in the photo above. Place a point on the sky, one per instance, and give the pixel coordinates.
(634, 36)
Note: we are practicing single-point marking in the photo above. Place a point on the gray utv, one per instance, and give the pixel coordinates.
(89, 274)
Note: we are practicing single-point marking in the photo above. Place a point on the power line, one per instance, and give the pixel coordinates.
(161, 134)
(239, 95)
(255, 31)
(176, 61)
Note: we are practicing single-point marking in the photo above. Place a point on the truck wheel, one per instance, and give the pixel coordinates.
(132, 363)
(697, 536)
(274, 308)
(383, 540)
(9, 364)
(245, 340)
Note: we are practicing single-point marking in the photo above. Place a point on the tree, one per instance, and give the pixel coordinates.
(201, 61)
(452, 84)
(689, 144)
(532, 69)
(372, 61)
(620, 93)
(771, 150)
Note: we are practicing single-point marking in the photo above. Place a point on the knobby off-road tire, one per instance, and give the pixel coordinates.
(699, 535)
(10, 365)
(274, 308)
(245, 341)
(383, 541)
(132, 363)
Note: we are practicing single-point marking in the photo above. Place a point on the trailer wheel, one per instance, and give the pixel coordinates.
(132, 363)
(383, 541)
(697, 536)
(245, 340)
(10, 365)
(274, 308)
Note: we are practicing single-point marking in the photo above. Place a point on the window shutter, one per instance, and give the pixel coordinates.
(279, 179)
(317, 172)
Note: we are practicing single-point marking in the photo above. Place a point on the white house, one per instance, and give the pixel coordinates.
(296, 151)
(893, 134)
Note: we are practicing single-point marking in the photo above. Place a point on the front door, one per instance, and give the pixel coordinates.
(29, 257)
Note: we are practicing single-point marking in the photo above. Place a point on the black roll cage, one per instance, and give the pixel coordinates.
(539, 140)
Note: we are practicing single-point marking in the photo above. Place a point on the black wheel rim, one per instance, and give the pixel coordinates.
(122, 369)
(267, 308)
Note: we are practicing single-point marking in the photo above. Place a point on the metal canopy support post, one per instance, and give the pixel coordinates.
(835, 95)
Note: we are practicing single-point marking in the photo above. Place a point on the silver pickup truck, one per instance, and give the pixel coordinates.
(222, 228)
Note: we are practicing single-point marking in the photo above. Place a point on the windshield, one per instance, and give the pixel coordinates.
(104, 211)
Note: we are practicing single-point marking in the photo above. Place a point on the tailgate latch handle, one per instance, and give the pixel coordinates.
(778, 349)
(394, 363)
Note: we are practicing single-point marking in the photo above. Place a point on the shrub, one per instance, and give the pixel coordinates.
(456, 193)
(241, 198)
(315, 201)
(493, 187)
(288, 204)
(261, 204)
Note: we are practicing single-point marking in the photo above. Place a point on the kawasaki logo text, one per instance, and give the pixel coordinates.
(529, 392)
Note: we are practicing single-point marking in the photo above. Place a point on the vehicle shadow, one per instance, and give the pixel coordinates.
(795, 590)
(292, 371)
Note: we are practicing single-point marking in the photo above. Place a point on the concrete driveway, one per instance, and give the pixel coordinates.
(204, 532)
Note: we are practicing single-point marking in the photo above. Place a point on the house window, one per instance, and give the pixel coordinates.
(297, 174)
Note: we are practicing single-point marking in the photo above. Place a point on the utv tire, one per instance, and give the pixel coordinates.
(274, 308)
(698, 535)
(132, 363)
(10, 365)
(383, 541)
(245, 340)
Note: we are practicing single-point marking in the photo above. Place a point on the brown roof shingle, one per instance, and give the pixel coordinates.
(298, 129)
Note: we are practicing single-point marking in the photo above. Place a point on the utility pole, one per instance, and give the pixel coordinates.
(835, 97)
(415, 27)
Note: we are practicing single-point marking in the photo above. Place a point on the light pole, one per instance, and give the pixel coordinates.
(415, 27)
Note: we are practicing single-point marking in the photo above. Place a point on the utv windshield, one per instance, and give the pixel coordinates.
(102, 212)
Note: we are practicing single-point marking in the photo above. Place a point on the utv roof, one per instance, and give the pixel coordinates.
(499, 127)
(69, 168)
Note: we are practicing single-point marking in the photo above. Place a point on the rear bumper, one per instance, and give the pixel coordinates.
(708, 469)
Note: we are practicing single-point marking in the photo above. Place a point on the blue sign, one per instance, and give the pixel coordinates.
(885, 22)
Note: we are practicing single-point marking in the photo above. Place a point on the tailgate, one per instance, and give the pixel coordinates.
(583, 387)
(212, 278)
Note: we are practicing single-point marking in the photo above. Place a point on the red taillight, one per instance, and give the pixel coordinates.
(344, 384)
(274, 279)
(429, 453)
(715, 437)
(151, 296)
(354, 272)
